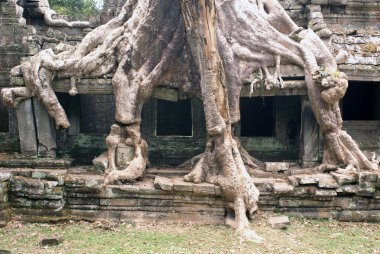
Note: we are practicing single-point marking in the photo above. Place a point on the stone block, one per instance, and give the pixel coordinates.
(180, 185)
(307, 179)
(344, 179)
(101, 162)
(163, 183)
(54, 241)
(124, 154)
(313, 8)
(276, 166)
(121, 191)
(293, 181)
(204, 189)
(27, 128)
(367, 183)
(265, 185)
(304, 191)
(348, 189)
(45, 130)
(338, 2)
(325, 193)
(5, 176)
(327, 182)
(119, 202)
(282, 188)
(279, 222)
(155, 202)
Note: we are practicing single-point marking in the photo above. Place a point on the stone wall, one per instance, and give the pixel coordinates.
(11, 51)
(76, 194)
(4, 206)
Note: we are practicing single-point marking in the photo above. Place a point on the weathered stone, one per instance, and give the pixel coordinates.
(325, 193)
(180, 185)
(5, 176)
(124, 154)
(305, 191)
(101, 162)
(45, 130)
(54, 241)
(369, 177)
(204, 189)
(293, 181)
(338, 2)
(282, 188)
(118, 202)
(265, 185)
(276, 166)
(280, 222)
(367, 183)
(27, 128)
(344, 179)
(327, 182)
(163, 183)
(348, 189)
(307, 179)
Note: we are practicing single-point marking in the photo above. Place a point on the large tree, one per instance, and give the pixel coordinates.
(206, 48)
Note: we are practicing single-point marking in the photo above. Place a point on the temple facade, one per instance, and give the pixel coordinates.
(277, 124)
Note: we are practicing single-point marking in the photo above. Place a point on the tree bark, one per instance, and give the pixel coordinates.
(222, 163)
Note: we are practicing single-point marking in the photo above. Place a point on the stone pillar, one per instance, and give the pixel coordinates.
(309, 150)
(45, 130)
(27, 128)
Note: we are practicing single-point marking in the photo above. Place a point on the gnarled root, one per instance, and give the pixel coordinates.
(13, 96)
(222, 165)
(135, 168)
(340, 148)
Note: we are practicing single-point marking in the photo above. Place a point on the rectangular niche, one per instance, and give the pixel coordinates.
(97, 113)
(257, 117)
(4, 118)
(174, 118)
(362, 102)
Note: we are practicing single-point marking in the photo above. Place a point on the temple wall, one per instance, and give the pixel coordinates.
(355, 40)
(56, 195)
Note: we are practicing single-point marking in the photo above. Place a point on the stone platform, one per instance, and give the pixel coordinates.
(46, 195)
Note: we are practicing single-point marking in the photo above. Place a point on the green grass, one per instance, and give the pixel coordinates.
(303, 236)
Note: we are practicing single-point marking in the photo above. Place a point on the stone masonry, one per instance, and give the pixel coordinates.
(75, 194)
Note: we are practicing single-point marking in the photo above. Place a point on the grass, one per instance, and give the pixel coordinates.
(302, 236)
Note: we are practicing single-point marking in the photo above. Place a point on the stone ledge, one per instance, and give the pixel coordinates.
(51, 195)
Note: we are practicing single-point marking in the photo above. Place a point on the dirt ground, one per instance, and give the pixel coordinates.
(302, 236)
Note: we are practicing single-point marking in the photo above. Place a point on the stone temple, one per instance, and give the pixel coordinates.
(49, 174)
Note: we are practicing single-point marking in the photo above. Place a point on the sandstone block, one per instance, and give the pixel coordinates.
(327, 182)
(282, 188)
(163, 183)
(325, 193)
(343, 179)
(204, 189)
(101, 162)
(279, 222)
(180, 185)
(276, 166)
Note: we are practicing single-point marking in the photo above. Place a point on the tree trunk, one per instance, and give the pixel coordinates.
(222, 163)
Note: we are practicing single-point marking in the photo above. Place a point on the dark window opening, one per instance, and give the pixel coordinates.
(174, 118)
(97, 113)
(4, 118)
(362, 102)
(257, 117)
